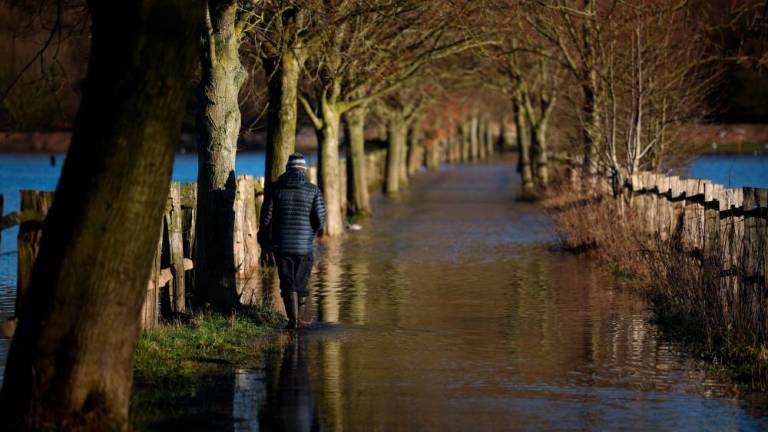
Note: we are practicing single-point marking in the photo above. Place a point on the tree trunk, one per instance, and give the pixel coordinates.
(328, 168)
(591, 129)
(283, 80)
(218, 126)
(464, 133)
(523, 148)
(70, 362)
(489, 141)
(539, 154)
(474, 141)
(397, 129)
(482, 146)
(357, 190)
(415, 148)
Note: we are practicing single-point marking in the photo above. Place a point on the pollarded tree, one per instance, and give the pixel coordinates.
(218, 125)
(368, 50)
(282, 38)
(70, 365)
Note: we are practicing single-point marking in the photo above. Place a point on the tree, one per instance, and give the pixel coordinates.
(368, 50)
(282, 40)
(218, 124)
(70, 362)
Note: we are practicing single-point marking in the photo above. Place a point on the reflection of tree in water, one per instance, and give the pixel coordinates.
(289, 405)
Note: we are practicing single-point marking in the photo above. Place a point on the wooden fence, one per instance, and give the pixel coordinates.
(171, 279)
(715, 225)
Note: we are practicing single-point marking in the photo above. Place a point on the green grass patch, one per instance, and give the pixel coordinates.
(182, 350)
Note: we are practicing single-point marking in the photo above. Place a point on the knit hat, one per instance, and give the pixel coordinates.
(296, 160)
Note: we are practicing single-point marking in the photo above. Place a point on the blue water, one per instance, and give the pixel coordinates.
(34, 171)
(732, 170)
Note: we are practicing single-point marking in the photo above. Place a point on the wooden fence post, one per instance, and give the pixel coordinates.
(173, 219)
(28, 240)
(246, 244)
(150, 310)
(188, 193)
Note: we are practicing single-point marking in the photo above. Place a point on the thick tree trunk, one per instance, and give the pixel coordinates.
(397, 130)
(357, 190)
(70, 363)
(218, 126)
(328, 168)
(523, 148)
(283, 81)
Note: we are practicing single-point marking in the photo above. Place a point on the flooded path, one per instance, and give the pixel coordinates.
(452, 310)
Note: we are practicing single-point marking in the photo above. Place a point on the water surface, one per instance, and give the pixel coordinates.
(35, 172)
(732, 170)
(453, 310)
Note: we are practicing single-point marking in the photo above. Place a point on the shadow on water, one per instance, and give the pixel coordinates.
(452, 311)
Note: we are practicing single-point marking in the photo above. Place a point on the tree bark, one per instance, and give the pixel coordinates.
(70, 363)
(357, 191)
(415, 148)
(283, 81)
(328, 167)
(482, 146)
(218, 126)
(523, 147)
(397, 129)
(464, 133)
(591, 129)
(474, 141)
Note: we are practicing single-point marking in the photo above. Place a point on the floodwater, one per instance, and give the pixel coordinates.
(732, 170)
(35, 171)
(453, 310)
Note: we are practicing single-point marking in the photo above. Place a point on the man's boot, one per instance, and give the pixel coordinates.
(291, 302)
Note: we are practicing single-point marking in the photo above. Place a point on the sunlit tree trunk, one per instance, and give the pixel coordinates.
(283, 80)
(523, 146)
(218, 126)
(70, 362)
(474, 138)
(357, 192)
(415, 147)
(328, 167)
(397, 131)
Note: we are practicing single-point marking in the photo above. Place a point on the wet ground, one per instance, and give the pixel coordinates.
(453, 310)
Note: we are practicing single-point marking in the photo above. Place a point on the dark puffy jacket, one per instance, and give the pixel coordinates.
(292, 214)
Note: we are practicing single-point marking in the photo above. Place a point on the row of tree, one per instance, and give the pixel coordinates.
(619, 77)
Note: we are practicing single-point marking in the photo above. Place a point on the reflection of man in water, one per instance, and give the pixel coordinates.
(293, 213)
(289, 406)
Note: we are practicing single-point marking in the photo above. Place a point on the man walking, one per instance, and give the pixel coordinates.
(292, 215)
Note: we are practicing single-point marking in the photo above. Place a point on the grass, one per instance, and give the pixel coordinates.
(183, 350)
(183, 369)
